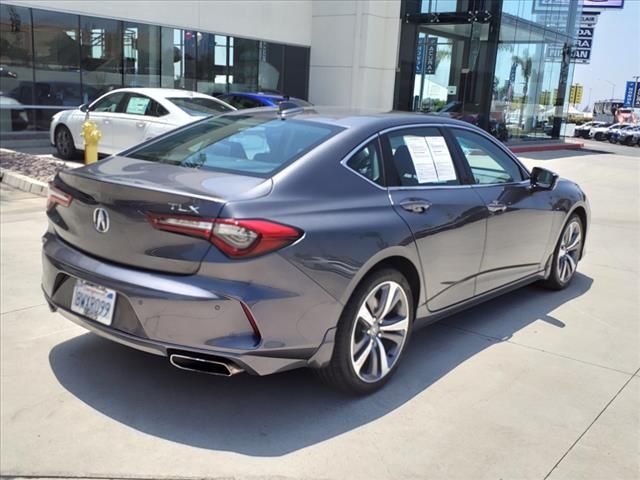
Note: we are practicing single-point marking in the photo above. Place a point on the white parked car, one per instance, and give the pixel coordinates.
(129, 116)
(604, 132)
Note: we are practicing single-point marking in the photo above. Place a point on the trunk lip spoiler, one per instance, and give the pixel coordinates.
(187, 192)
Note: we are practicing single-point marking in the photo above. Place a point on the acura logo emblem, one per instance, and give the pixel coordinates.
(101, 220)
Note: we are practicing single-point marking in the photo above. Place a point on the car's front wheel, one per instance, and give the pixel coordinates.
(372, 333)
(64, 143)
(566, 255)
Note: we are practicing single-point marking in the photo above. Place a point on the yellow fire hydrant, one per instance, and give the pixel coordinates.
(91, 136)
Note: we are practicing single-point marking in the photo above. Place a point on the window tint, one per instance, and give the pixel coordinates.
(200, 106)
(255, 145)
(367, 162)
(108, 103)
(421, 157)
(488, 163)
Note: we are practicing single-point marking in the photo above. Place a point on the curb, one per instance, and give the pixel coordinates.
(546, 147)
(24, 183)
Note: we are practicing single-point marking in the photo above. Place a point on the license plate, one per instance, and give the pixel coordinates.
(93, 301)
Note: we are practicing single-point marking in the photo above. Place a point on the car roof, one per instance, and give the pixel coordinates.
(162, 92)
(357, 119)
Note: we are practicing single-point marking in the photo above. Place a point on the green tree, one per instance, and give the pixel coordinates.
(526, 66)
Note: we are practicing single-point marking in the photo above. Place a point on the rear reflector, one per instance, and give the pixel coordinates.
(57, 197)
(235, 238)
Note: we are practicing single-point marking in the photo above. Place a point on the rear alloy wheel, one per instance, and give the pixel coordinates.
(566, 255)
(372, 334)
(64, 143)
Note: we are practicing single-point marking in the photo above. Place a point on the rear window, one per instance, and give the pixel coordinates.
(244, 144)
(199, 106)
(297, 101)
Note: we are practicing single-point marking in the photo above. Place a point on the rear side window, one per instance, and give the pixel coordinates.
(138, 105)
(256, 145)
(421, 157)
(200, 106)
(367, 162)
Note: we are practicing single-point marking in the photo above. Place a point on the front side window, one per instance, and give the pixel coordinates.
(199, 106)
(488, 163)
(108, 104)
(256, 145)
(421, 157)
(367, 162)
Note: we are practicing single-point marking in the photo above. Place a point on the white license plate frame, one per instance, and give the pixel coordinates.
(93, 301)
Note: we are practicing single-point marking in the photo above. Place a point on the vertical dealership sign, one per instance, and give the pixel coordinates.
(582, 51)
(632, 94)
(431, 50)
(420, 55)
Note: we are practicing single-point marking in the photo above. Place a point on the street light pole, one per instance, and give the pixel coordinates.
(613, 87)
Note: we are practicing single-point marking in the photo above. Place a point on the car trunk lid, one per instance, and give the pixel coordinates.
(126, 190)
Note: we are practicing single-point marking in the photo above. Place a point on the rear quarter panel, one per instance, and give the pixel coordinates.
(349, 224)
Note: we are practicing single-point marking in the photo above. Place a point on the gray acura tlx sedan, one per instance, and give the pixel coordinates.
(270, 239)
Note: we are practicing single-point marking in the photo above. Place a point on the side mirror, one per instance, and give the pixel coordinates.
(543, 179)
(84, 108)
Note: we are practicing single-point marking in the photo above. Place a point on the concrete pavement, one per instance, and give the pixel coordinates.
(533, 385)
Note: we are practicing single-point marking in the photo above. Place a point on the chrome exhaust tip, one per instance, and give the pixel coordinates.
(203, 365)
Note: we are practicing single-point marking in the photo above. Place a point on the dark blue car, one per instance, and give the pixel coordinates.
(242, 100)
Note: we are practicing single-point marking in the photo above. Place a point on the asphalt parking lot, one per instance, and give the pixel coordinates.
(533, 385)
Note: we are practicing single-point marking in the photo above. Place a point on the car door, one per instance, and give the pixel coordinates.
(132, 124)
(426, 185)
(520, 219)
(103, 112)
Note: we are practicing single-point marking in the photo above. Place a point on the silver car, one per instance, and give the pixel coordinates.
(270, 239)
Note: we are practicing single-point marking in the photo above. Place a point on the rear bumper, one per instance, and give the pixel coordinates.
(161, 314)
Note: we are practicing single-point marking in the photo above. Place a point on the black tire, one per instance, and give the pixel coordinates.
(340, 373)
(64, 143)
(599, 136)
(555, 281)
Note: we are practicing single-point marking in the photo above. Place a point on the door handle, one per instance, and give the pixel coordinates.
(415, 205)
(496, 207)
(140, 124)
(106, 122)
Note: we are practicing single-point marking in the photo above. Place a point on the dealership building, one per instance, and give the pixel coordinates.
(502, 64)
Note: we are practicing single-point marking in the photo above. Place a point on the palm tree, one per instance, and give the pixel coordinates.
(526, 65)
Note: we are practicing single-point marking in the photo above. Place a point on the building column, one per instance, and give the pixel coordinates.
(354, 49)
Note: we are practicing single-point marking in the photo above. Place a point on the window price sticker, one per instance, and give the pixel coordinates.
(431, 159)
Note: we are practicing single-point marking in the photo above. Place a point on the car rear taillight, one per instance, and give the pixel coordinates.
(57, 197)
(235, 238)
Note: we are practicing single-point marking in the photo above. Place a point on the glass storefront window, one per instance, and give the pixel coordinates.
(213, 66)
(57, 63)
(243, 65)
(296, 71)
(50, 61)
(101, 60)
(16, 68)
(271, 67)
(141, 55)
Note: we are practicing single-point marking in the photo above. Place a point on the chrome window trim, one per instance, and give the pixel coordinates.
(509, 153)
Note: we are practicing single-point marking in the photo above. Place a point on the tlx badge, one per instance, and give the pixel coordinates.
(178, 207)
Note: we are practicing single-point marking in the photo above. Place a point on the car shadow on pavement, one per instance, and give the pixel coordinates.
(282, 413)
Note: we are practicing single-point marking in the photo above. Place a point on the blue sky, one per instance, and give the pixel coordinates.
(615, 55)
